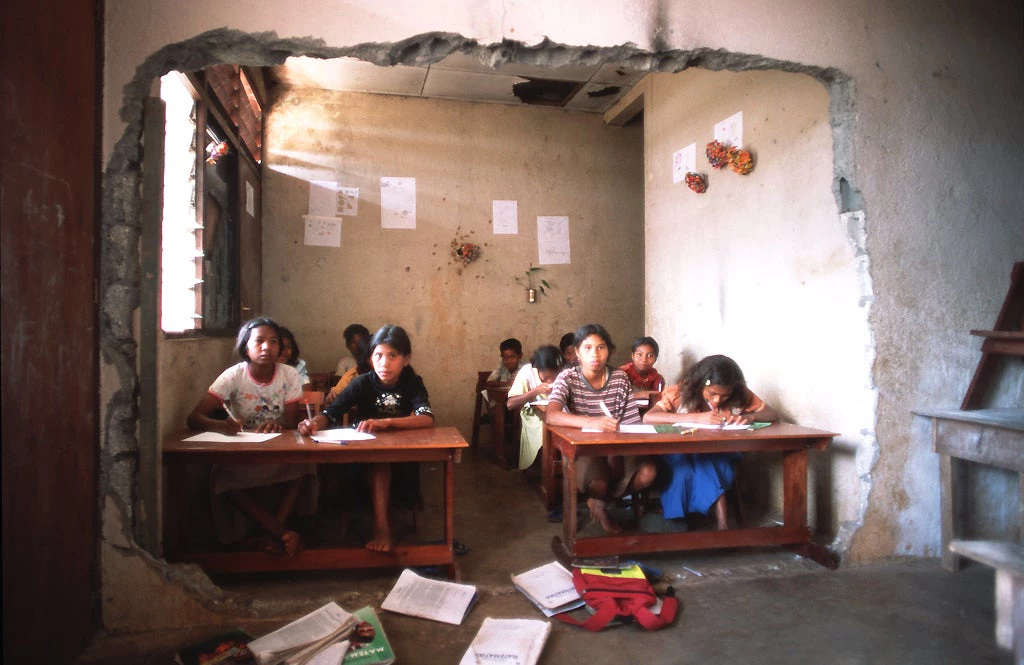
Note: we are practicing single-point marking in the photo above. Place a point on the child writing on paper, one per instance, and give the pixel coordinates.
(392, 396)
(260, 394)
(640, 370)
(715, 392)
(593, 395)
(532, 382)
(290, 356)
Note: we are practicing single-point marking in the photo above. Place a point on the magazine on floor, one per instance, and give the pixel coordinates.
(511, 641)
(369, 644)
(300, 641)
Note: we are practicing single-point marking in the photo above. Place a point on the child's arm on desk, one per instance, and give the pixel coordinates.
(200, 418)
(405, 422)
(557, 415)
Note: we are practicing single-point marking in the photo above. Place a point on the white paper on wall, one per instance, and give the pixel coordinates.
(684, 161)
(323, 198)
(553, 240)
(398, 203)
(505, 215)
(322, 231)
(730, 130)
(348, 201)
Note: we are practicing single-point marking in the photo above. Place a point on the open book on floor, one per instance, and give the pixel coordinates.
(299, 642)
(427, 598)
(549, 587)
(369, 645)
(517, 641)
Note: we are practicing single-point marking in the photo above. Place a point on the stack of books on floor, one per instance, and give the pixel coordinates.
(550, 588)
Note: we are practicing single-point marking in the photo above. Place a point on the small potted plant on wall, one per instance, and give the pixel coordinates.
(527, 281)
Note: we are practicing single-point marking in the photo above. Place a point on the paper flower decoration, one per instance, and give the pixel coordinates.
(465, 252)
(696, 182)
(718, 154)
(741, 162)
(215, 151)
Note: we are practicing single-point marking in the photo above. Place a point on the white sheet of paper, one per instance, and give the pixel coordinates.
(241, 437)
(730, 130)
(341, 434)
(553, 240)
(323, 198)
(710, 426)
(348, 201)
(250, 199)
(684, 160)
(398, 203)
(638, 428)
(505, 215)
(419, 596)
(322, 231)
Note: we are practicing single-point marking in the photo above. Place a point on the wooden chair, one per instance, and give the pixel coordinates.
(480, 411)
(320, 381)
(311, 402)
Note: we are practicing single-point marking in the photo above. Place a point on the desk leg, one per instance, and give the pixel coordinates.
(175, 509)
(794, 507)
(569, 504)
(953, 504)
(547, 469)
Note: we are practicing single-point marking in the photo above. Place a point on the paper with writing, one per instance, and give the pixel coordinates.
(241, 437)
(508, 642)
(340, 435)
(421, 597)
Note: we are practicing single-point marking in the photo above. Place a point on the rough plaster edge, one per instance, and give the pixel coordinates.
(868, 450)
(121, 229)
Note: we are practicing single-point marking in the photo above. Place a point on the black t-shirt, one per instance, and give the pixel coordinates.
(372, 399)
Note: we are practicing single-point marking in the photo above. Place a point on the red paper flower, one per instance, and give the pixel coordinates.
(741, 162)
(718, 154)
(696, 182)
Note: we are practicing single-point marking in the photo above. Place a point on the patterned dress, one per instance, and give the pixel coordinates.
(254, 403)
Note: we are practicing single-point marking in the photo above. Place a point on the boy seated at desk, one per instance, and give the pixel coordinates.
(511, 351)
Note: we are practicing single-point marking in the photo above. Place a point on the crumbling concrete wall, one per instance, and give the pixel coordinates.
(930, 134)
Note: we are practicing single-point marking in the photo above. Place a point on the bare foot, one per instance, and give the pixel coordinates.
(292, 542)
(381, 541)
(598, 512)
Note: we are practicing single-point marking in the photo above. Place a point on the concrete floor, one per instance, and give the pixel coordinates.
(762, 606)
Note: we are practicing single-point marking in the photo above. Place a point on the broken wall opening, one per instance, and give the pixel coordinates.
(129, 460)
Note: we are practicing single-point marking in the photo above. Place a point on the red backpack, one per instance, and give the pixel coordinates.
(625, 594)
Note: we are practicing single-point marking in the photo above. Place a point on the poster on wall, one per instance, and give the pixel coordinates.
(398, 203)
(684, 161)
(730, 130)
(322, 231)
(553, 240)
(348, 201)
(505, 215)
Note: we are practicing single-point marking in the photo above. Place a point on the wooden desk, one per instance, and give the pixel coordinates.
(994, 437)
(438, 444)
(792, 441)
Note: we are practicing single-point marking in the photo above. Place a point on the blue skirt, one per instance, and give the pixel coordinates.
(693, 482)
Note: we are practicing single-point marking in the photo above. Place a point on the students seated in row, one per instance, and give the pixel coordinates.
(533, 382)
(392, 396)
(259, 394)
(642, 375)
(592, 394)
(715, 392)
(290, 356)
(353, 333)
(511, 351)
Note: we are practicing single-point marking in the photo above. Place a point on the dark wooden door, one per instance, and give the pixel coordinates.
(49, 142)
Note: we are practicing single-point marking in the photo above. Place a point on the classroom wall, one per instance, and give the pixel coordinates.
(761, 269)
(927, 145)
(463, 156)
